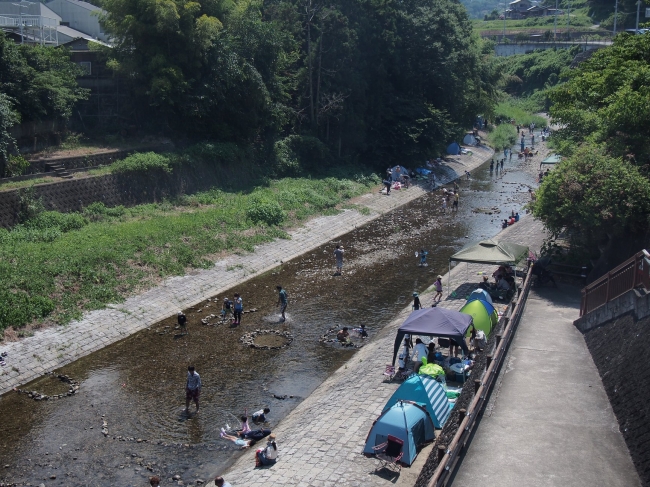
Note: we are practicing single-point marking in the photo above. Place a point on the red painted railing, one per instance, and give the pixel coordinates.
(632, 273)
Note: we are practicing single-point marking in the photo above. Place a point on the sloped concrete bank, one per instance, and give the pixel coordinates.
(52, 348)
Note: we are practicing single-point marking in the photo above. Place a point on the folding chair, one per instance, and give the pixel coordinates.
(389, 372)
(390, 453)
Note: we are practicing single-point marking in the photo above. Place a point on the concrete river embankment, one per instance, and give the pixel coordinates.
(135, 386)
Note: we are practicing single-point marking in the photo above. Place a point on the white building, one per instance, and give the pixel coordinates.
(80, 16)
(31, 22)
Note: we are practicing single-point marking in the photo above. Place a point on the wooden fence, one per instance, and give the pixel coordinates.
(449, 455)
(631, 274)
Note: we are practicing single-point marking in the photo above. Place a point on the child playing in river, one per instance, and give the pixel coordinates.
(423, 258)
(236, 440)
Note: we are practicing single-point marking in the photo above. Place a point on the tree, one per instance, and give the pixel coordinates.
(40, 81)
(606, 100)
(600, 200)
(8, 118)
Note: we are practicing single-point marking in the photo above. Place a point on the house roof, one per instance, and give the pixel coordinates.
(76, 34)
(74, 42)
(86, 5)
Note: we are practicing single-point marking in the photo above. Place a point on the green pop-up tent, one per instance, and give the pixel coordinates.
(551, 160)
(489, 251)
(484, 315)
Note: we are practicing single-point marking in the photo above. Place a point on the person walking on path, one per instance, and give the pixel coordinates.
(220, 482)
(455, 207)
(238, 308)
(444, 204)
(501, 165)
(416, 302)
(182, 322)
(192, 389)
(282, 302)
(338, 254)
(438, 285)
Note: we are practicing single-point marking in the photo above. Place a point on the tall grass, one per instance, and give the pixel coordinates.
(55, 266)
(510, 110)
(504, 136)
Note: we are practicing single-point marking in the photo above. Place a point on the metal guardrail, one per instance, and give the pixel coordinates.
(449, 456)
(631, 274)
(27, 21)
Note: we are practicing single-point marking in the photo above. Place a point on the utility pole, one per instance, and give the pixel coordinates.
(568, 17)
(505, 9)
(638, 7)
(555, 23)
(615, 15)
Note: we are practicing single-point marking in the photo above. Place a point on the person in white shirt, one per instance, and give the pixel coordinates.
(421, 352)
(268, 455)
(220, 482)
(260, 416)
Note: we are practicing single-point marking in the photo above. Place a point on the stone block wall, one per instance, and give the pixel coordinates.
(118, 189)
(619, 349)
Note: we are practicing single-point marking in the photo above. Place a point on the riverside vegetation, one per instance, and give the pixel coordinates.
(54, 266)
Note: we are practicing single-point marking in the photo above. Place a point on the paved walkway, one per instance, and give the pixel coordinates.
(549, 421)
(320, 442)
(52, 348)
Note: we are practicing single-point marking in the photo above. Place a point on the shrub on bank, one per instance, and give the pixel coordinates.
(142, 162)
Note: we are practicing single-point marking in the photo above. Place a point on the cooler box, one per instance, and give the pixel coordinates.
(458, 371)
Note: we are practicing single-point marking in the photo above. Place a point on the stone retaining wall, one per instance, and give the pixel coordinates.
(619, 348)
(112, 190)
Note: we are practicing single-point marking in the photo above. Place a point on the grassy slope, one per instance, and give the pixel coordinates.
(57, 266)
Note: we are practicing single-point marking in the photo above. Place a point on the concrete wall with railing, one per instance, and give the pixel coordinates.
(635, 301)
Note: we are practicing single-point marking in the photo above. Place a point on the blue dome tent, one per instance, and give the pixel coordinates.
(453, 149)
(423, 389)
(406, 420)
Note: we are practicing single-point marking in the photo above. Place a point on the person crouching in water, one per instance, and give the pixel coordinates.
(267, 455)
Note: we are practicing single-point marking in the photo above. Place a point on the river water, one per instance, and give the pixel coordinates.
(137, 385)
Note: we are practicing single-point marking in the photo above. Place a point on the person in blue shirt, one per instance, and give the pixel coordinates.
(282, 301)
(423, 258)
(238, 308)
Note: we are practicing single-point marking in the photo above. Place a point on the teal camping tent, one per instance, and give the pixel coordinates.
(423, 389)
(406, 420)
(481, 294)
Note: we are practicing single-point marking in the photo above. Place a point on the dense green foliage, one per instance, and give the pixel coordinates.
(40, 81)
(56, 265)
(527, 73)
(36, 83)
(596, 197)
(383, 82)
(600, 192)
(607, 101)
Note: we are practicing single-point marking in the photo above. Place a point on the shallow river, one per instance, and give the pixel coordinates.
(136, 385)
